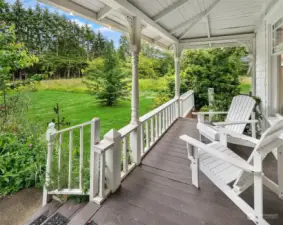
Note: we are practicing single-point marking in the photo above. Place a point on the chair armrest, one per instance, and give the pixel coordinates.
(234, 122)
(209, 113)
(238, 135)
(240, 163)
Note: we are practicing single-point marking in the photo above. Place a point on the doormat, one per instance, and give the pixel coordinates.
(57, 219)
(39, 220)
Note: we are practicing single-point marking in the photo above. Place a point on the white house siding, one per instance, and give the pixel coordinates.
(262, 66)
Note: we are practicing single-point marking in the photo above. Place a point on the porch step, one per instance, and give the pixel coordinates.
(43, 213)
(71, 213)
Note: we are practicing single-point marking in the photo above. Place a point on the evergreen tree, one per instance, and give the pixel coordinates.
(105, 79)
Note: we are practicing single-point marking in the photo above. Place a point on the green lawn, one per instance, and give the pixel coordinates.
(80, 107)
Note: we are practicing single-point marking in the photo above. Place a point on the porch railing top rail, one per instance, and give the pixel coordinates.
(187, 94)
(157, 110)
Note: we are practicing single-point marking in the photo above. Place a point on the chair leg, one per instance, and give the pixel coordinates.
(280, 169)
(258, 187)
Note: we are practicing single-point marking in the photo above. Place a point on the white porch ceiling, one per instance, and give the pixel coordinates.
(171, 21)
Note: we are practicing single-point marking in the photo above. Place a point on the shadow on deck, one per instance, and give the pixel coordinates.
(159, 192)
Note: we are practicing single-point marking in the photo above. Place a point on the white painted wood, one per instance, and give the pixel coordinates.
(113, 160)
(94, 158)
(168, 10)
(102, 176)
(258, 186)
(237, 162)
(142, 138)
(160, 123)
(280, 171)
(195, 20)
(81, 157)
(103, 13)
(156, 126)
(134, 11)
(135, 143)
(125, 154)
(60, 159)
(253, 125)
(49, 138)
(70, 158)
(163, 121)
(152, 131)
(147, 128)
(193, 156)
(237, 117)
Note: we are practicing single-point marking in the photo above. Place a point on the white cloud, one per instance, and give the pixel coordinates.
(104, 30)
(80, 23)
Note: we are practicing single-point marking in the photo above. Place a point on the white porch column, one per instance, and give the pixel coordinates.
(135, 28)
(177, 59)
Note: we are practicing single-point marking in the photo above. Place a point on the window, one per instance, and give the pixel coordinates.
(277, 47)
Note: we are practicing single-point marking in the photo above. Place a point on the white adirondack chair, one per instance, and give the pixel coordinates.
(222, 166)
(240, 111)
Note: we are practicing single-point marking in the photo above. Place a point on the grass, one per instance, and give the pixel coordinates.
(81, 107)
(245, 85)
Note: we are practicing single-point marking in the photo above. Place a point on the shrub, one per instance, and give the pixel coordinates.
(105, 79)
(22, 160)
(216, 68)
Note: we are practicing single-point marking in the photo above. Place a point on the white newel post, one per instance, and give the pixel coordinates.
(210, 101)
(113, 160)
(50, 139)
(177, 58)
(94, 158)
(135, 28)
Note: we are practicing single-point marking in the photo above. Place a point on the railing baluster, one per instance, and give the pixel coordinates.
(152, 130)
(102, 175)
(160, 123)
(147, 135)
(60, 160)
(166, 118)
(163, 121)
(70, 158)
(156, 127)
(125, 153)
(142, 138)
(81, 156)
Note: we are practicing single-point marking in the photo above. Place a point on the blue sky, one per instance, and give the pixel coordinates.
(110, 34)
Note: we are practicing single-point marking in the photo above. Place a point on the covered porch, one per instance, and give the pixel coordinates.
(160, 191)
(152, 185)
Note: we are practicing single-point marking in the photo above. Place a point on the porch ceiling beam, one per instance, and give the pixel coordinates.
(194, 20)
(219, 39)
(168, 10)
(69, 6)
(206, 19)
(103, 12)
(130, 9)
(201, 16)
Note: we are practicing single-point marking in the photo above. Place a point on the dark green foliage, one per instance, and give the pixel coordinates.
(105, 78)
(58, 120)
(213, 68)
(62, 46)
(22, 159)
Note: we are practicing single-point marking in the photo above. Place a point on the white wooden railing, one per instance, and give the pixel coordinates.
(155, 123)
(117, 154)
(60, 144)
(187, 103)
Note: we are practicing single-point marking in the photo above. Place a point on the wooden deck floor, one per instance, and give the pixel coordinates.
(159, 192)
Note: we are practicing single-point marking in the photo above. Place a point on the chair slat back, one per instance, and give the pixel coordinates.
(272, 138)
(240, 109)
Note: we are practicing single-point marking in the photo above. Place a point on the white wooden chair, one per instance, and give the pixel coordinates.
(240, 111)
(222, 166)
